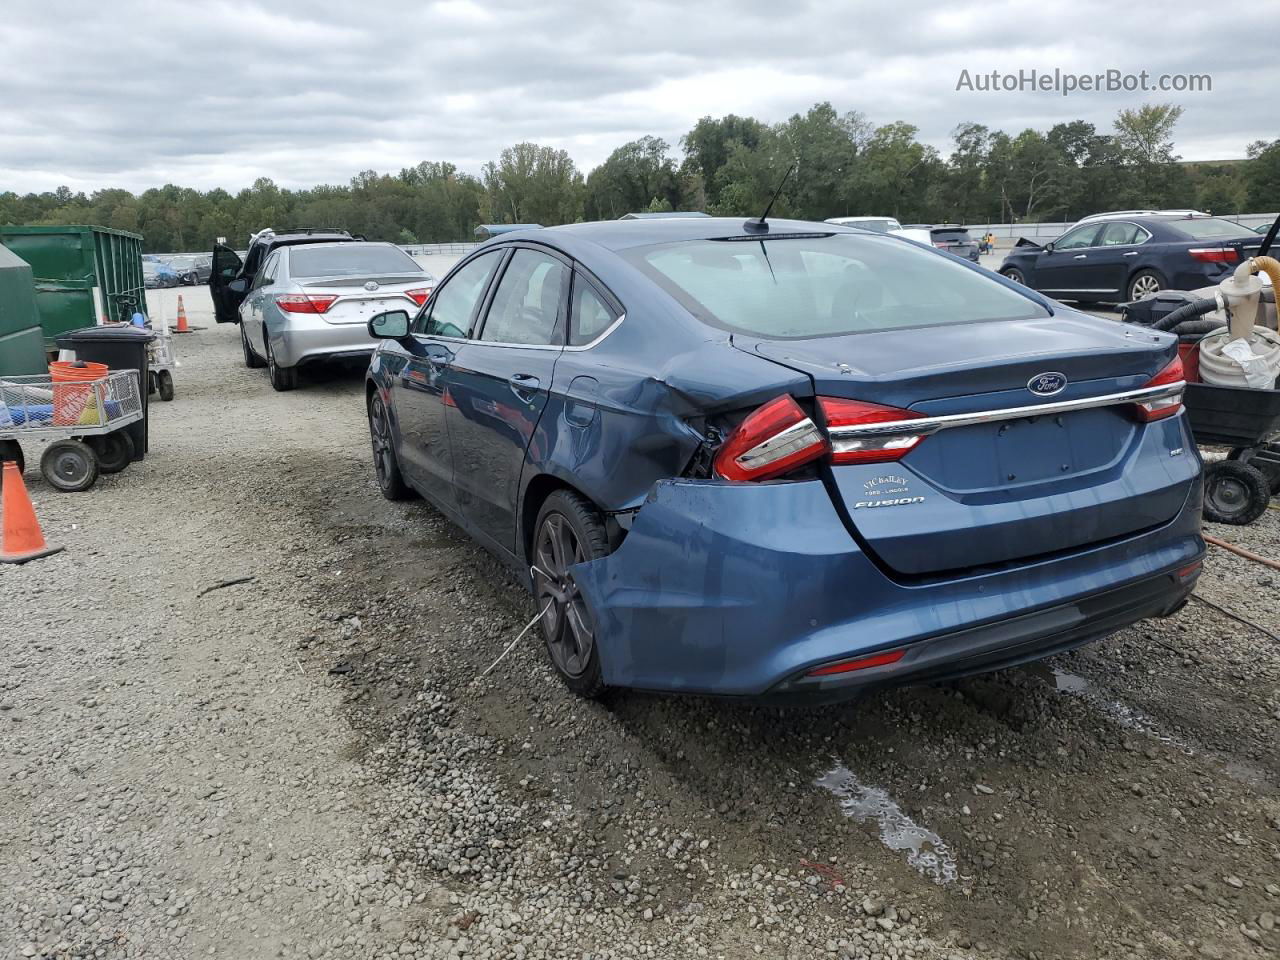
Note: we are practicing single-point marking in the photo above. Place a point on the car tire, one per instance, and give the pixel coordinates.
(1144, 283)
(12, 450)
(386, 465)
(114, 450)
(165, 385)
(568, 531)
(1234, 492)
(69, 465)
(282, 378)
(251, 359)
(1014, 274)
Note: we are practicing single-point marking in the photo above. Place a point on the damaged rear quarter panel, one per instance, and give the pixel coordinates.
(626, 412)
(678, 605)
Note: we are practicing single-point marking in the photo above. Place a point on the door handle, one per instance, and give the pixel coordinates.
(1132, 253)
(523, 386)
(1080, 256)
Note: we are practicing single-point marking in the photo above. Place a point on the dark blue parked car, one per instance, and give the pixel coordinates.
(1126, 257)
(789, 463)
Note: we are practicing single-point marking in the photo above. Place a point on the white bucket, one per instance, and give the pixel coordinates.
(1224, 370)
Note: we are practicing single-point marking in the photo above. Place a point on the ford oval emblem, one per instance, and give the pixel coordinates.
(371, 285)
(1047, 384)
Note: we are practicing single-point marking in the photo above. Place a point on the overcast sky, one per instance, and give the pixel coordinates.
(220, 92)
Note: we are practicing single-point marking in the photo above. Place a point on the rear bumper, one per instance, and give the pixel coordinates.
(304, 339)
(742, 589)
(1006, 643)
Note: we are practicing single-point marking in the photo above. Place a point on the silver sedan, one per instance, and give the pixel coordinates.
(311, 302)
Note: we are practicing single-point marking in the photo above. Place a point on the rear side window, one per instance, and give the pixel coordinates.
(526, 308)
(826, 286)
(453, 304)
(1121, 233)
(350, 260)
(589, 316)
(1209, 228)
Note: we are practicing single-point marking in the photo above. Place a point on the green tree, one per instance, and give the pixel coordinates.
(533, 184)
(632, 177)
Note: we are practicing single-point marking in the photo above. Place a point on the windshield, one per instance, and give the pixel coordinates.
(349, 260)
(879, 226)
(1208, 228)
(826, 286)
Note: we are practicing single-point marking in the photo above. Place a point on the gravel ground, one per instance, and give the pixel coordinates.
(307, 765)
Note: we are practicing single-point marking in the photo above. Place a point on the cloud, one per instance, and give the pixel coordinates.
(218, 93)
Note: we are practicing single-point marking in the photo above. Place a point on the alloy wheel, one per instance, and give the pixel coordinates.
(1143, 286)
(380, 433)
(566, 622)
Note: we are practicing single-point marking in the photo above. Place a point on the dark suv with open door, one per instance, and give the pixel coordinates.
(232, 278)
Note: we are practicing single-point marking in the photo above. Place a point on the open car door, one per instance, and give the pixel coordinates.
(224, 286)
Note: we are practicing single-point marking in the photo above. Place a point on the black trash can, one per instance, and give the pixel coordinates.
(121, 347)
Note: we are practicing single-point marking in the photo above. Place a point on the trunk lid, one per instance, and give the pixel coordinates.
(1012, 489)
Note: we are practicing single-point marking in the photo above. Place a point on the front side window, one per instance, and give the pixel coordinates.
(814, 286)
(526, 306)
(453, 304)
(1080, 237)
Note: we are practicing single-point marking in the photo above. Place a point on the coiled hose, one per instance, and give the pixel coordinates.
(1188, 311)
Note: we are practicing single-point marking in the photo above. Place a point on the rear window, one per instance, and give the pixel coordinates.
(950, 235)
(806, 287)
(349, 260)
(1209, 228)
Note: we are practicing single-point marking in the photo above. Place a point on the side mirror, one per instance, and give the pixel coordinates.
(1048, 247)
(392, 325)
(239, 286)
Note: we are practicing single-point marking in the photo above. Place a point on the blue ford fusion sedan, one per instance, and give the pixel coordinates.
(788, 460)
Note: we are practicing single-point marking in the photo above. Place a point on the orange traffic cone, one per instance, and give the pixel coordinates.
(21, 539)
(182, 318)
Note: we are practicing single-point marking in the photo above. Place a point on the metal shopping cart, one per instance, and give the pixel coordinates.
(83, 419)
(162, 363)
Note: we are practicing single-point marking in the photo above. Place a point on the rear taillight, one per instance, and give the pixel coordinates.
(418, 296)
(780, 436)
(772, 440)
(304, 302)
(849, 447)
(1214, 254)
(1165, 406)
(942, 246)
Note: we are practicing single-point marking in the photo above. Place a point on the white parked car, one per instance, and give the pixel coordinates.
(884, 225)
(310, 302)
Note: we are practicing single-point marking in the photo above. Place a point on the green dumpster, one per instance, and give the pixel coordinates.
(81, 274)
(21, 339)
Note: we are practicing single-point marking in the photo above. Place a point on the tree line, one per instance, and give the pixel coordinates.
(844, 166)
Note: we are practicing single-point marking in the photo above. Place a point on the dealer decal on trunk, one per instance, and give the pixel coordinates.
(884, 489)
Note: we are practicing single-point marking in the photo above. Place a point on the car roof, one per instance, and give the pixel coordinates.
(623, 234)
(1128, 214)
(347, 242)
